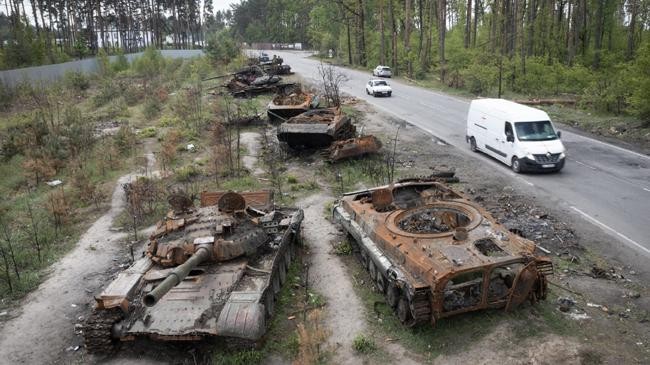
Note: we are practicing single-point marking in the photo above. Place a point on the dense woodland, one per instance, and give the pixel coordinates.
(597, 50)
(34, 32)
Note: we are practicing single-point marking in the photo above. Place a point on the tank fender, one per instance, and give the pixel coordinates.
(242, 316)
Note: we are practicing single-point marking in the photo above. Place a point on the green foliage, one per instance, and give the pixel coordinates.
(104, 63)
(343, 248)
(76, 80)
(150, 64)
(149, 132)
(221, 47)
(151, 108)
(246, 357)
(108, 90)
(640, 96)
(480, 78)
(363, 344)
(187, 173)
(121, 63)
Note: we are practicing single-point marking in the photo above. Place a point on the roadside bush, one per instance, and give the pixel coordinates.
(125, 138)
(149, 132)
(363, 344)
(640, 94)
(221, 47)
(187, 173)
(480, 78)
(151, 108)
(108, 91)
(7, 95)
(118, 108)
(120, 63)
(76, 81)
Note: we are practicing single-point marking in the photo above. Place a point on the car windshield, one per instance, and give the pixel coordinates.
(535, 131)
(381, 83)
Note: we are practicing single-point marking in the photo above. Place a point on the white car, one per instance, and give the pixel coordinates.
(382, 71)
(376, 87)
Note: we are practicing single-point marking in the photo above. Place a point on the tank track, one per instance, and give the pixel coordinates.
(97, 330)
(414, 310)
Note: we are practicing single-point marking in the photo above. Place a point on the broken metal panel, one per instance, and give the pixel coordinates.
(436, 237)
(353, 147)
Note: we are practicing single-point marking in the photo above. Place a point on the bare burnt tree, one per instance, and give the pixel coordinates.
(272, 157)
(332, 80)
(7, 236)
(34, 230)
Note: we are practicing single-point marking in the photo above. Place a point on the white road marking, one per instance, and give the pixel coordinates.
(610, 145)
(603, 225)
(584, 164)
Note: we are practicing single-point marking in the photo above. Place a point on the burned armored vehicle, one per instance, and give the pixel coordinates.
(285, 106)
(434, 254)
(352, 147)
(211, 271)
(251, 81)
(316, 128)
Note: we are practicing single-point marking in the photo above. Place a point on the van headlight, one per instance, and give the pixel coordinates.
(562, 155)
(530, 156)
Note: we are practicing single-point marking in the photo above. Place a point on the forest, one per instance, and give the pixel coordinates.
(595, 51)
(37, 32)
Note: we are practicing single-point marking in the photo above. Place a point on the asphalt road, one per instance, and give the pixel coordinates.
(606, 185)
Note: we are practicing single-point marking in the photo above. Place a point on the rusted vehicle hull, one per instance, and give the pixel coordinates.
(435, 254)
(212, 271)
(316, 128)
(283, 107)
(353, 147)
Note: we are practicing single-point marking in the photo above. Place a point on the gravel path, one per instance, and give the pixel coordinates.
(44, 333)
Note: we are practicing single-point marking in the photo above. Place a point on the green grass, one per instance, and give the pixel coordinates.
(364, 344)
(243, 183)
(246, 357)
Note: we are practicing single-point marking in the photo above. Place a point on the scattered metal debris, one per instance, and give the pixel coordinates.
(194, 281)
(433, 253)
(353, 147)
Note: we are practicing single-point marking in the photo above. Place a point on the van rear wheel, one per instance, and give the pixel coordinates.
(516, 165)
(472, 145)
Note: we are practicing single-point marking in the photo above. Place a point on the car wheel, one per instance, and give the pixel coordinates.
(374, 94)
(390, 93)
(516, 165)
(472, 145)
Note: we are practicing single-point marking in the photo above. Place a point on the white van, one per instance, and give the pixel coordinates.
(519, 136)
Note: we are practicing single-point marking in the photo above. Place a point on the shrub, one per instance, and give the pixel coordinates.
(151, 108)
(480, 78)
(76, 80)
(149, 132)
(108, 91)
(363, 344)
(187, 173)
(120, 63)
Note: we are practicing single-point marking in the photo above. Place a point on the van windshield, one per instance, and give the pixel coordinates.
(535, 131)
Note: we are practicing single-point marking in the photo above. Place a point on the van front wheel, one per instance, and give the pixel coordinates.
(516, 165)
(472, 145)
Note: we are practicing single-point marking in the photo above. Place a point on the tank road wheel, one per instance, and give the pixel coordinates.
(381, 283)
(269, 303)
(392, 294)
(282, 268)
(372, 269)
(275, 282)
(97, 330)
(404, 312)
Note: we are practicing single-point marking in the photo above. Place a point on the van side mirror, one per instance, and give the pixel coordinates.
(559, 134)
(510, 137)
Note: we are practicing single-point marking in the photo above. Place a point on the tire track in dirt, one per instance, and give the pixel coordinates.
(344, 314)
(45, 329)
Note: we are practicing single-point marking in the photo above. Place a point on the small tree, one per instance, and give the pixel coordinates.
(332, 80)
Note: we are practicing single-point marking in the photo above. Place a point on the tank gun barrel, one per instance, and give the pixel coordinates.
(176, 276)
(218, 77)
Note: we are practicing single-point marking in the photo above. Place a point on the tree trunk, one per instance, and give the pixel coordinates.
(394, 64)
(598, 32)
(382, 39)
(468, 24)
(631, 29)
(442, 29)
(407, 37)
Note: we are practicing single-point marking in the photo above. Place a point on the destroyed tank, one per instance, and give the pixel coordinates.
(316, 128)
(207, 272)
(433, 253)
(284, 106)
